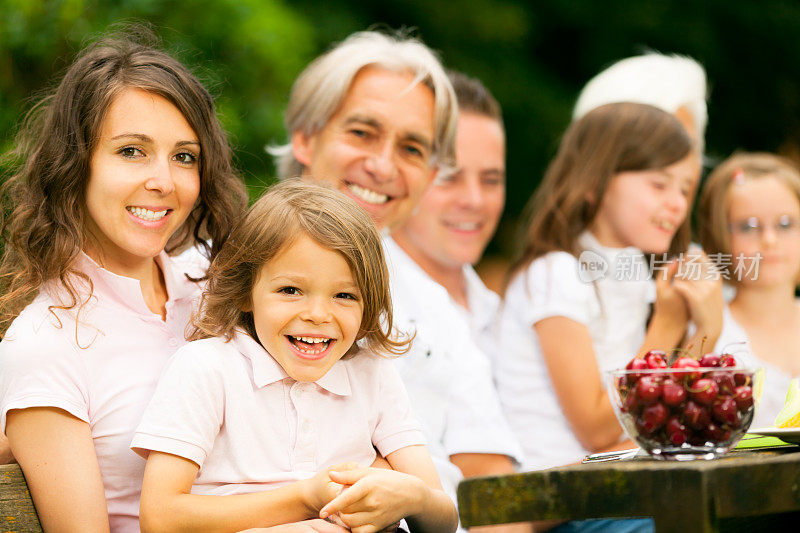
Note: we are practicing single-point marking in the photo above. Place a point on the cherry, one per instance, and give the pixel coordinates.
(744, 397)
(630, 404)
(637, 363)
(710, 360)
(655, 359)
(704, 390)
(674, 424)
(727, 360)
(679, 437)
(648, 389)
(727, 412)
(696, 415)
(725, 382)
(741, 379)
(717, 433)
(673, 392)
(687, 363)
(654, 416)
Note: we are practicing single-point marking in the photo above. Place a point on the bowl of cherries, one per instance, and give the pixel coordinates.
(691, 409)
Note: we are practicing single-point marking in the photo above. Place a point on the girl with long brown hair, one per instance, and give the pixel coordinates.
(749, 222)
(122, 165)
(620, 186)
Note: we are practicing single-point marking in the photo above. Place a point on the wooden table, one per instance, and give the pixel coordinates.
(736, 492)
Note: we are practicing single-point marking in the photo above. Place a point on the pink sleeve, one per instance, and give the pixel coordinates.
(39, 367)
(396, 425)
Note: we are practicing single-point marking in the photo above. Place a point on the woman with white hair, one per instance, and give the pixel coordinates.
(673, 83)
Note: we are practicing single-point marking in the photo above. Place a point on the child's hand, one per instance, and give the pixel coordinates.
(321, 489)
(702, 290)
(376, 499)
(670, 306)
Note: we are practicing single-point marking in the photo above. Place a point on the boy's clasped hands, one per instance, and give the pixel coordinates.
(349, 497)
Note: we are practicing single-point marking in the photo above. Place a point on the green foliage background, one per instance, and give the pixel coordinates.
(534, 56)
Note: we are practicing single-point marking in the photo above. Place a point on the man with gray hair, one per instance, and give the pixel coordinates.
(376, 117)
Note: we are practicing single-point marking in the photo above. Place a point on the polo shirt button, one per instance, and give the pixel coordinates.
(306, 426)
(173, 342)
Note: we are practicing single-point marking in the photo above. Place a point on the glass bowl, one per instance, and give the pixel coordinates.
(683, 414)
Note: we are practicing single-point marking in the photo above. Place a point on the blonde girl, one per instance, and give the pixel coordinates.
(274, 412)
(749, 221)
(620, 186)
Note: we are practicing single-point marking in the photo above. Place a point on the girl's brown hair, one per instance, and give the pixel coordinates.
(714, 202)
(610, 139)
(43, 199)
(286, 211)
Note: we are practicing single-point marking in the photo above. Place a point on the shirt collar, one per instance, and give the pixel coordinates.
(588, 241)
(266, 369)
(128, 291)
(404, 266)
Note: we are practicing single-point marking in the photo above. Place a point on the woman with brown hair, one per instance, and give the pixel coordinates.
(122, 165)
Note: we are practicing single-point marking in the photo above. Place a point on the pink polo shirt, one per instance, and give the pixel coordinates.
(231, 408)
(102, 368)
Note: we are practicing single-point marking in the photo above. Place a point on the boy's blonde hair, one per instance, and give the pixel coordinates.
(287, 210)
(714, 202)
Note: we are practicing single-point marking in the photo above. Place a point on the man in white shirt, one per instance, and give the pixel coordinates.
(447, 233)
(434, 251)
(375, 117)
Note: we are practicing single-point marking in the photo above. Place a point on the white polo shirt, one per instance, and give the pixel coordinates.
(232, 409)
(733, 339)
(102, 368)
(614, 311)
(447, 375)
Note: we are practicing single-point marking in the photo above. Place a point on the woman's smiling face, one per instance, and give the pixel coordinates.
(144, 179)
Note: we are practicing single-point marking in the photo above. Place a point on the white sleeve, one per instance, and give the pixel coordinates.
(396, 425)
(186, 412)
(554, 289)
(475, 421)
(39, 367)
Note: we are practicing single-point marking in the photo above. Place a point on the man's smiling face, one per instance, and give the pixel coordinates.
(377, 147)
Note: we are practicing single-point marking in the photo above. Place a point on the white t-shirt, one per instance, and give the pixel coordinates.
(101, 369)
(232, 409)
(483, 312)
(447, 375)
(613, 308)
(733, 339)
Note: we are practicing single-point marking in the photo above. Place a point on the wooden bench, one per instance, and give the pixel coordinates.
(17, 513)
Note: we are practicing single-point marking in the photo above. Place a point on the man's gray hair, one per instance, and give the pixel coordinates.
(668, 82)
(322, 87)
